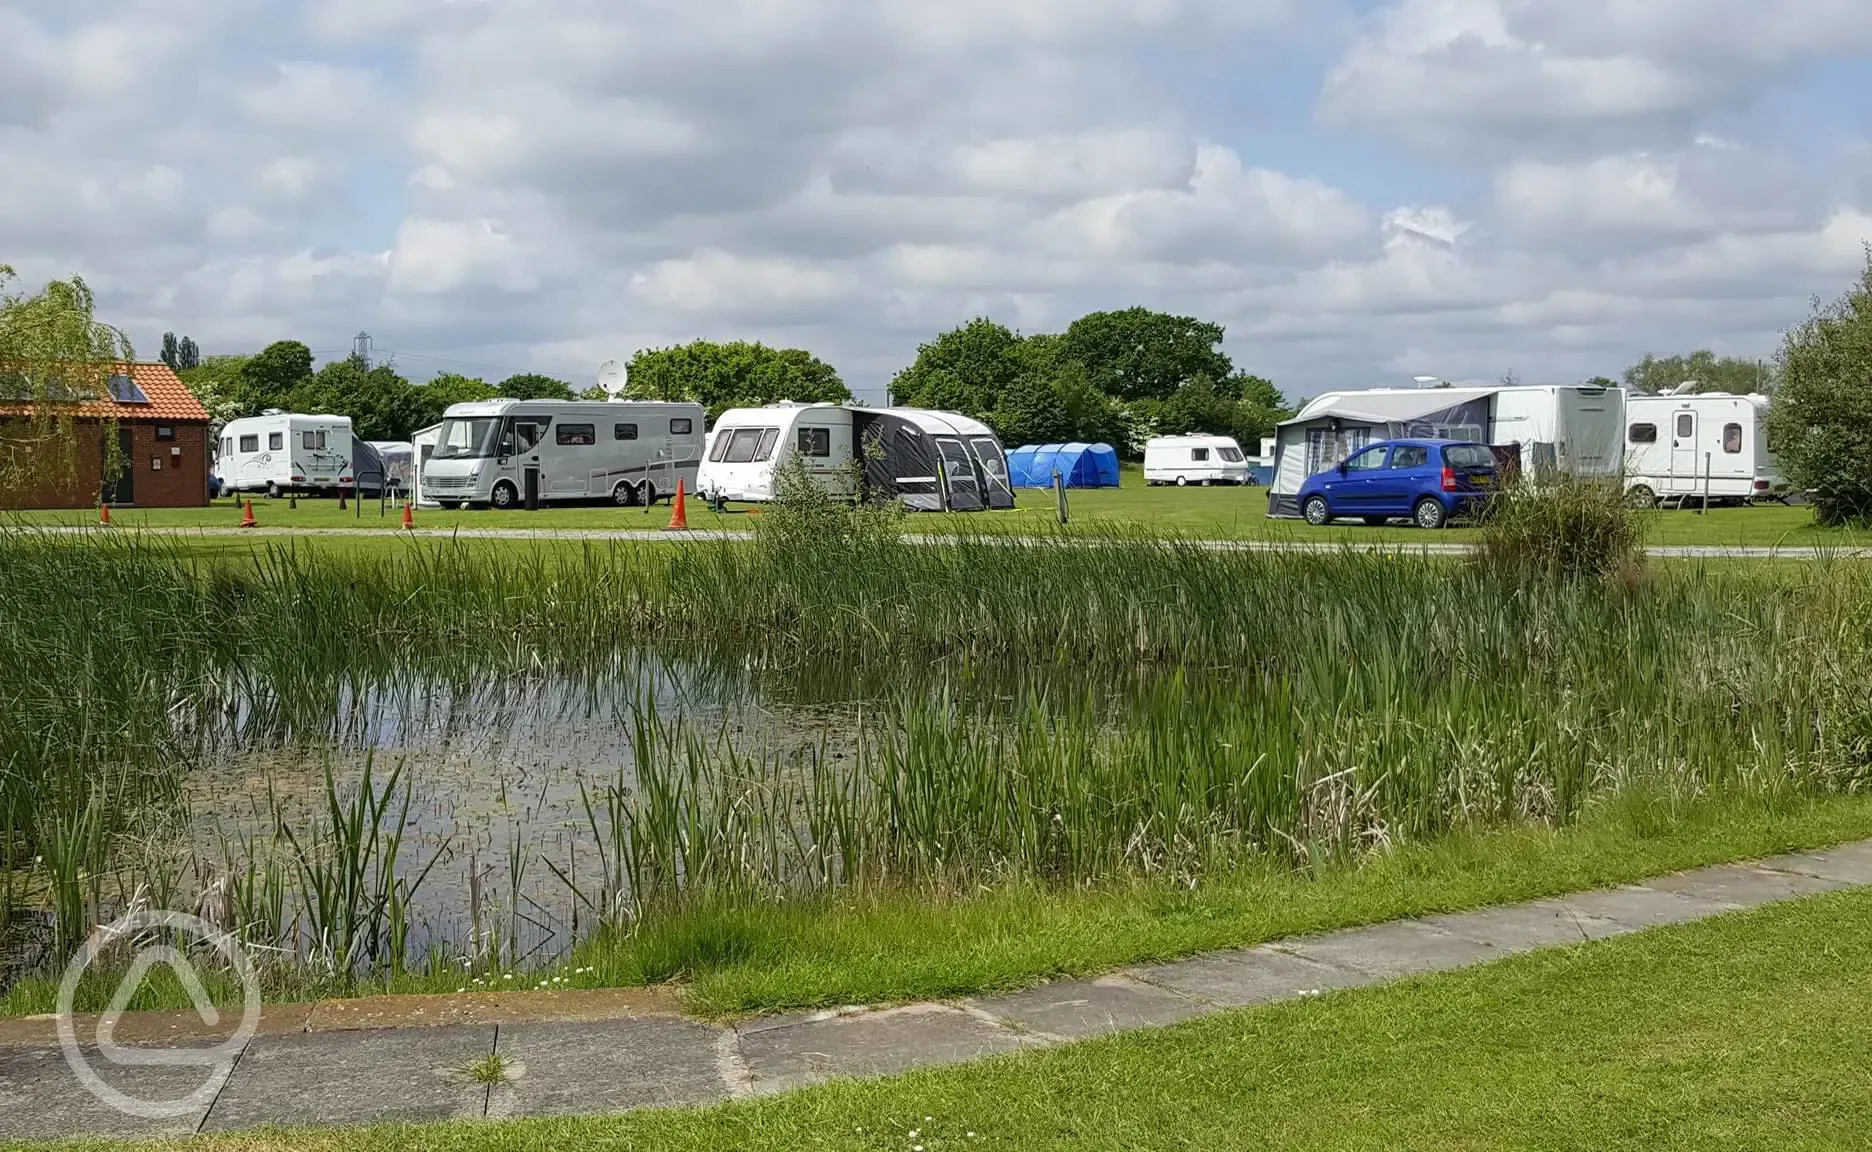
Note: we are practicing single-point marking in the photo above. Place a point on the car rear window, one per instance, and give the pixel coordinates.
(1468, 456)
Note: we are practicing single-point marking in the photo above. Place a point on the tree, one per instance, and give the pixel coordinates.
(269, 378)
(967, 369)
(188, 355)
(171, 354)
(382, 405)
(218, 383)
(449, 388)
(1138, 354)
(734, 375)
(533, 386)
(1602, 382)
(54, 356)
(1655, 375)
(1821, 420)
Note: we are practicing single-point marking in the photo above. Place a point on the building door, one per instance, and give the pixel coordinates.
(124, 490)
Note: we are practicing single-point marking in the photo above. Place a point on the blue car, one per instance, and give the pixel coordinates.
(1430, 481)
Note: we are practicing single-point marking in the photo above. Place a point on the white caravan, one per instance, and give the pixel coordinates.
(281, 453)
(1686, 447)
(1182, 460)
(628, 451)
(932, 461)
(422, 446)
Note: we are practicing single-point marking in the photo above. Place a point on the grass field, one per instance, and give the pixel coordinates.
(1213, 513)
(1743, 1032)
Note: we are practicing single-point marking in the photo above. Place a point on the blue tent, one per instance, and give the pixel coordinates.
(1083, 465)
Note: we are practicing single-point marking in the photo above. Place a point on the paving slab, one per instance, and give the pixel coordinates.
(565, 1068)
(1525, 927)
(359, 1077)
(1388, 951)
(1075, 1008)
(1847, 863)
(491, 1008)
(181, 1028)
(1630, 909)
(42, 1099)
(869, 1044)
(1744, 886)
(1250, 976)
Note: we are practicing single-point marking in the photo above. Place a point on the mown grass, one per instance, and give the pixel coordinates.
(1741, 1032)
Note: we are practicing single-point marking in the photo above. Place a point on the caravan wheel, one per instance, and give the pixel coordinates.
(1182, 481)
(624, 495)
(273, 491)
(1639, 496)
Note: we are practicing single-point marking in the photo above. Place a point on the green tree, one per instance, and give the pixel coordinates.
(1655, 375)
(1602, 382)
(1138, 354)
(382, 405)
(533, 386)
(188, 355)
(218, 382)
(1821, 420)
(269, 378)
(55, 354)
(171, 352)
(450, 388)
(733, 375)
(968, 369)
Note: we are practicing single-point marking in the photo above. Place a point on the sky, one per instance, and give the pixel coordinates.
(1361, 192)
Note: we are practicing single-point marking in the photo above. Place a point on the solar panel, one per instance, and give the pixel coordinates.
(126, 391)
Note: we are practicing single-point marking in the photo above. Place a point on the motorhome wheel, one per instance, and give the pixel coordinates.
(504, 496)
(648, 494)
(625, 494)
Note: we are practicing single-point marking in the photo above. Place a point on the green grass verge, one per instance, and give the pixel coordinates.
(1211, 513)
(1746, 1031)
(743, 960)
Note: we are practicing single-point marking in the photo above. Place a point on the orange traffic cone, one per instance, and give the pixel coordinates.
(679, 514)
(247, 517)
(103, 515)
(409, 518)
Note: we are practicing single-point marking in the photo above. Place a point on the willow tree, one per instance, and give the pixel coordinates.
(56, 359)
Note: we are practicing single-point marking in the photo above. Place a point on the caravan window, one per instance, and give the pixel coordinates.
(719, 451)
(577, 435)
(1199, 455)
(250, 443)
(682, 426)
(227, 445)
(815, 442)
(314, 441)
(1642, 434)
(1686, 425)
(275, 441)
(745, 448)
(624, 432)
(1732, 439)
(1231, 455)
(769, 440)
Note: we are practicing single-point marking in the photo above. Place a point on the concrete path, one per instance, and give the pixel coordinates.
(1392, 547)
(408, 1058)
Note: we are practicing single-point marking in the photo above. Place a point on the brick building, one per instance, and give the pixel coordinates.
(162, 431)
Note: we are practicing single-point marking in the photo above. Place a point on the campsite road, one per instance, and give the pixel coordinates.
(1322, 547)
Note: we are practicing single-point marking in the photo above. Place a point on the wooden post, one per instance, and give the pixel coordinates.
(1059, 490)
(1709, 464)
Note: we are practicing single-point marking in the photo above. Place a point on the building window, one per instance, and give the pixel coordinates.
(250, 443)
(576, 434)
(682, 426)
(624, 432)
(165, 432)
(155, 463)
(1643, 434)
(1686, 426)
(1732, 439)
(815, 442)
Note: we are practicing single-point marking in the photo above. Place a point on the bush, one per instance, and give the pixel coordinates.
(805, 519)
(1564, 529)
(1822, 415)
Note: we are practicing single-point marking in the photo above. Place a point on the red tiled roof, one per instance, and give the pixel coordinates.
(169, 398)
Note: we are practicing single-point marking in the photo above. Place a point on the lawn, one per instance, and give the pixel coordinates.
(1747, 1031)
(1214, 513)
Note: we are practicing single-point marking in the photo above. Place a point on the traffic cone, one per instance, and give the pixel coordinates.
(247, 518)
(103, 515)
(409, 518)
(679, 513)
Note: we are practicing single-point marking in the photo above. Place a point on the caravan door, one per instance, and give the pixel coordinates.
(958, 468)
(1686, 460)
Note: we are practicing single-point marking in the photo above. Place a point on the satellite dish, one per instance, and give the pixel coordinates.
(611, 378)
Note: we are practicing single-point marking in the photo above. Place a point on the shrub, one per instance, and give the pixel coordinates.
(1564, 529)
(1822, 414)
(805, 518)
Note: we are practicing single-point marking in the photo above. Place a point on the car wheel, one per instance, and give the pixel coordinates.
(504, 496)
(1317, 512)
(1640, 496)
(624, 495)
(1430, 514)
(1182, 482)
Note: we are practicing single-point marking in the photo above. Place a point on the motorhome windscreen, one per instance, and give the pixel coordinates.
(465, 438)
(1230, 454)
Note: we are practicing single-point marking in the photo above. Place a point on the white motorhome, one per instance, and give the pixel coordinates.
(1565, 429)
(628, 451)
(1681, 448)
(283, 453)
(930, 460)
(1198, 459)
